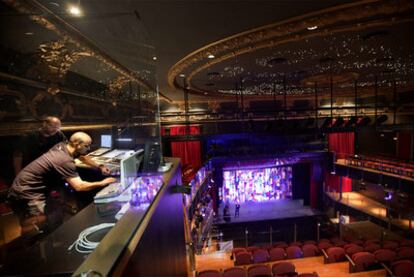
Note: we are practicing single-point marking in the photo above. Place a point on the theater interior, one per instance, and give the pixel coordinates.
(248, 138)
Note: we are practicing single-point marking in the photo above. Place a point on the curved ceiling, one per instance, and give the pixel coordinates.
(366, 42)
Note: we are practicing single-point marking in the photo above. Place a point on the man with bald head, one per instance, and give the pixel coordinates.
(31, 188)
(34, 144)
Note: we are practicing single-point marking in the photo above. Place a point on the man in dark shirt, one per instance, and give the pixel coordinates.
(30, 189)
(34, 144)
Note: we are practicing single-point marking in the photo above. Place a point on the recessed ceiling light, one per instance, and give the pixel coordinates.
(210, 56)
(29, 33)
(154, 58)
(182, 75)
(75, 11)
(310, 28)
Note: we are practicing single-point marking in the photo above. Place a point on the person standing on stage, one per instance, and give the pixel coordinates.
(34, 144)
(237, 209)
(32, 189)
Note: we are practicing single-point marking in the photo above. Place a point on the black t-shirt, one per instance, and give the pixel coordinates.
(32, 183)
(33, 145)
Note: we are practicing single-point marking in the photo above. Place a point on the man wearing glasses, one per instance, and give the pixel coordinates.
(30, 190)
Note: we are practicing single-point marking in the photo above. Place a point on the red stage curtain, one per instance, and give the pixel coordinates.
(188, 151)
(343, 145)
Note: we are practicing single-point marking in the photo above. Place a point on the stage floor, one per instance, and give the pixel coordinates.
(269, 210)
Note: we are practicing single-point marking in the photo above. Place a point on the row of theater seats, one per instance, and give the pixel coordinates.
(277, 269)
(362, 255)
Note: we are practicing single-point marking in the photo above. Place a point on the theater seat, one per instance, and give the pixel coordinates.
(385, 255)
(334, 255)
(405, 253)
(390, 245)
(372, 247)
(404, 268)
(283, 268)
(252, 249)
(361, 261)
(243, 258)
(234, 272)
(260, 256)
(259, 270)
(293, 252)
(353, 249)
(209, 273)
(324, 245)
(310, 250)
(236, 250)
(277, 254)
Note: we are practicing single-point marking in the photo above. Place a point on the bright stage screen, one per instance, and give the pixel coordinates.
(257, 185)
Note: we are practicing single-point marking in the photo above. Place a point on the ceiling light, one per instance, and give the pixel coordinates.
(29, 33)
(54, 4)
(182, 75)
(154, 58)
(310, 28)
(210, 56)
(75, 10)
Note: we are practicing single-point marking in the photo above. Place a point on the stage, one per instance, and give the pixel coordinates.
(264, 211)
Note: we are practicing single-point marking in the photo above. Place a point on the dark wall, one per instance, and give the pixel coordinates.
(375, 143)
(301, 182)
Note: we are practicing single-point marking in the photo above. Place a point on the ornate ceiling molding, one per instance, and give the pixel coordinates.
(351, 17)
(46, 18)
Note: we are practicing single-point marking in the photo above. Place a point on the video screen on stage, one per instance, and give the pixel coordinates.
(258, 185)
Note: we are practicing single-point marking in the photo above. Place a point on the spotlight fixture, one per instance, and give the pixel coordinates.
(311, 28)
(75, 10)
(154, 58)
(210, 56)
(29, 33)
(326, 123)
(182, 75)
(338, 122)
(388, 194)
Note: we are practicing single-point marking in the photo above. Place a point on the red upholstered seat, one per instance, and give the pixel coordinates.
(236, 250)
(404, 268)
(259, 270)
(243, 258)
(310, 242)
(407, 243)
(252, 249)
(234, 272)
(310, 250)
(385, 255)
(372, 247)
(283, 268)
(280, 244)
(209, 273)
(405, 253)
(277, 254)
(295, 243)
(324, 245)
(363, 261)
(390, 245)
(354, 249)
(260, 256)
(294, 252)
(335, 254)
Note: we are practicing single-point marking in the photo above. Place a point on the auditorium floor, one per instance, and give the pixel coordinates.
(222, 261)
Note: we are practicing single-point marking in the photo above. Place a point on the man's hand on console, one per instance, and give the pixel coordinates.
(109, 180)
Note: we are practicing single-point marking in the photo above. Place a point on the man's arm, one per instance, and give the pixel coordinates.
(80, 185)
(88, 160)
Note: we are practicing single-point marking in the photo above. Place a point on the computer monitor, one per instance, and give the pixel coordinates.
(130, 167)
(106, 141)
